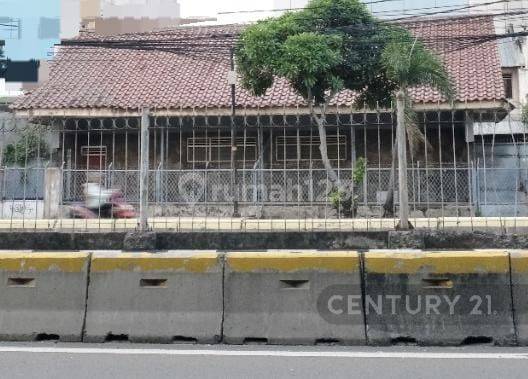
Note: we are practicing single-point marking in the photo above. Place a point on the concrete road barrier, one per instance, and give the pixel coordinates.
(519, 273)
(145, 297)
(42, 296)
(444, 298)
(293, 298)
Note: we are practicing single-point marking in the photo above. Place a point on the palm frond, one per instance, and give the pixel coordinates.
(409, 63)
(417, 140)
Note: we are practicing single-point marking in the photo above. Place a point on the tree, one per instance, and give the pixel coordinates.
(3, 62)
(30, 148)
(336, 45)
(330, 46)
(408, 63)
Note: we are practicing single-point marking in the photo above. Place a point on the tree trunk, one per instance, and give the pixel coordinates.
(323, 148)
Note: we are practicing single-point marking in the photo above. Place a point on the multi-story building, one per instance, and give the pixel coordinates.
(29, 33)
(106, 17)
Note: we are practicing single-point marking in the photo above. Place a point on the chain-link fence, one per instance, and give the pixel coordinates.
(432, 186)
(274, 172)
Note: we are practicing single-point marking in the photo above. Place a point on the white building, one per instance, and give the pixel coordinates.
(290, 4)
(79, 15)
(153, 9)
(514, 56)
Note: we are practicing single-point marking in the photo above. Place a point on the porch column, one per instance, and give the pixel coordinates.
(144, 171)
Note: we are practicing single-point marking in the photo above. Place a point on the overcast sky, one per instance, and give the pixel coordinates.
(211, 7)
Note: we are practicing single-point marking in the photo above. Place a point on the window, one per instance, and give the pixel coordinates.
(218, 150)
(95, 157)
(309, 148)
(508, 85)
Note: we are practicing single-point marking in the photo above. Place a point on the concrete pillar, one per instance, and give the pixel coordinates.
(52, 193)
(144, 170)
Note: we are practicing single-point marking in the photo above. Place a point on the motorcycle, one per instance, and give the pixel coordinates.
(115, 207)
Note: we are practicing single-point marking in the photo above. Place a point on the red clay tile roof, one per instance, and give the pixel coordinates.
(94, 77)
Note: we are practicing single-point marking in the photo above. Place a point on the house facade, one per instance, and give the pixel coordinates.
(95, 97)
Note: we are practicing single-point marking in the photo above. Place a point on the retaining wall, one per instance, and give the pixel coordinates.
(248, 241)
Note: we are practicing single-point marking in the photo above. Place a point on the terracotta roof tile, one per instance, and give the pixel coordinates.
(196, 77)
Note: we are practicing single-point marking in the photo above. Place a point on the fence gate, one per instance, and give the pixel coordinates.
(501, 180)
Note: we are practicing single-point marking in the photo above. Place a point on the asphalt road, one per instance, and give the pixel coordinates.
(43, 360)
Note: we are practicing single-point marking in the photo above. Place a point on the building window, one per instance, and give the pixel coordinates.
(218, 150)
(508, 85)
(95, 157)
(286, 148)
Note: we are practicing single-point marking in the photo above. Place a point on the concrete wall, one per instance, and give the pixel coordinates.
(274, 297)
(163, 241)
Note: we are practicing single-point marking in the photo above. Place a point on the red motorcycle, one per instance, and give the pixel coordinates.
(116, 207)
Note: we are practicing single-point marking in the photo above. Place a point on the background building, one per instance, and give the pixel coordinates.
(30, 32)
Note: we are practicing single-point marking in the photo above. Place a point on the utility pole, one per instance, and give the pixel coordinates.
(144, 170)
(402, 162)
(232, 79)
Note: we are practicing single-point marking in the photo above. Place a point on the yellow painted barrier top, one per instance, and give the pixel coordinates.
(333, 261)
(37, 262)
(519, 261)
(452, 262)
(146, 262)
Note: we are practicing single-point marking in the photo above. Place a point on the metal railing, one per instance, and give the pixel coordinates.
(278, 172)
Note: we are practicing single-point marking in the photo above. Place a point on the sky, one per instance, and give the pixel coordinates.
(210, 7)
(31, 11)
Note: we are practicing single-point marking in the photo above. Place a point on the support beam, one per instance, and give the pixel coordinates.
(402, 162)
(144, 170)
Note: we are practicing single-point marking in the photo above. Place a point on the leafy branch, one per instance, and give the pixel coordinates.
(27, 149)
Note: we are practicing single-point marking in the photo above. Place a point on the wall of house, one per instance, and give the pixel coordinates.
(209, 148)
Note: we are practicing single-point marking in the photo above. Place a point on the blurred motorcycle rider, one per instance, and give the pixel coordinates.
(97, 198)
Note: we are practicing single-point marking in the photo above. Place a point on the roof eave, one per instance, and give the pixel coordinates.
(114, 112)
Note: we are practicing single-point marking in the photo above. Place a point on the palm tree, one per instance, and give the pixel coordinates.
(408, 63)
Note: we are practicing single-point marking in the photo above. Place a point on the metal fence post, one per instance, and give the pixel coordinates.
(402, 162)
(144, 170)
(232, 79)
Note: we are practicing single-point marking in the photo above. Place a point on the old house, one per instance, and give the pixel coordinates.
(96, 94)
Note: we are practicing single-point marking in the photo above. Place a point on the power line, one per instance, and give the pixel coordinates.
(291, 9)
(454, 8)
(230, 40)
(223, 41)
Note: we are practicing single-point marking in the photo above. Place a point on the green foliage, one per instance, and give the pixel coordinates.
(29, 147)
(329, 46)
(3, 63)
(333, 45)
(408, 63)
(525, 114)
(344, 202)
(359, 172)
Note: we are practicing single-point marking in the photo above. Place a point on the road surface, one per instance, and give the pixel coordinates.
(45, 360)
